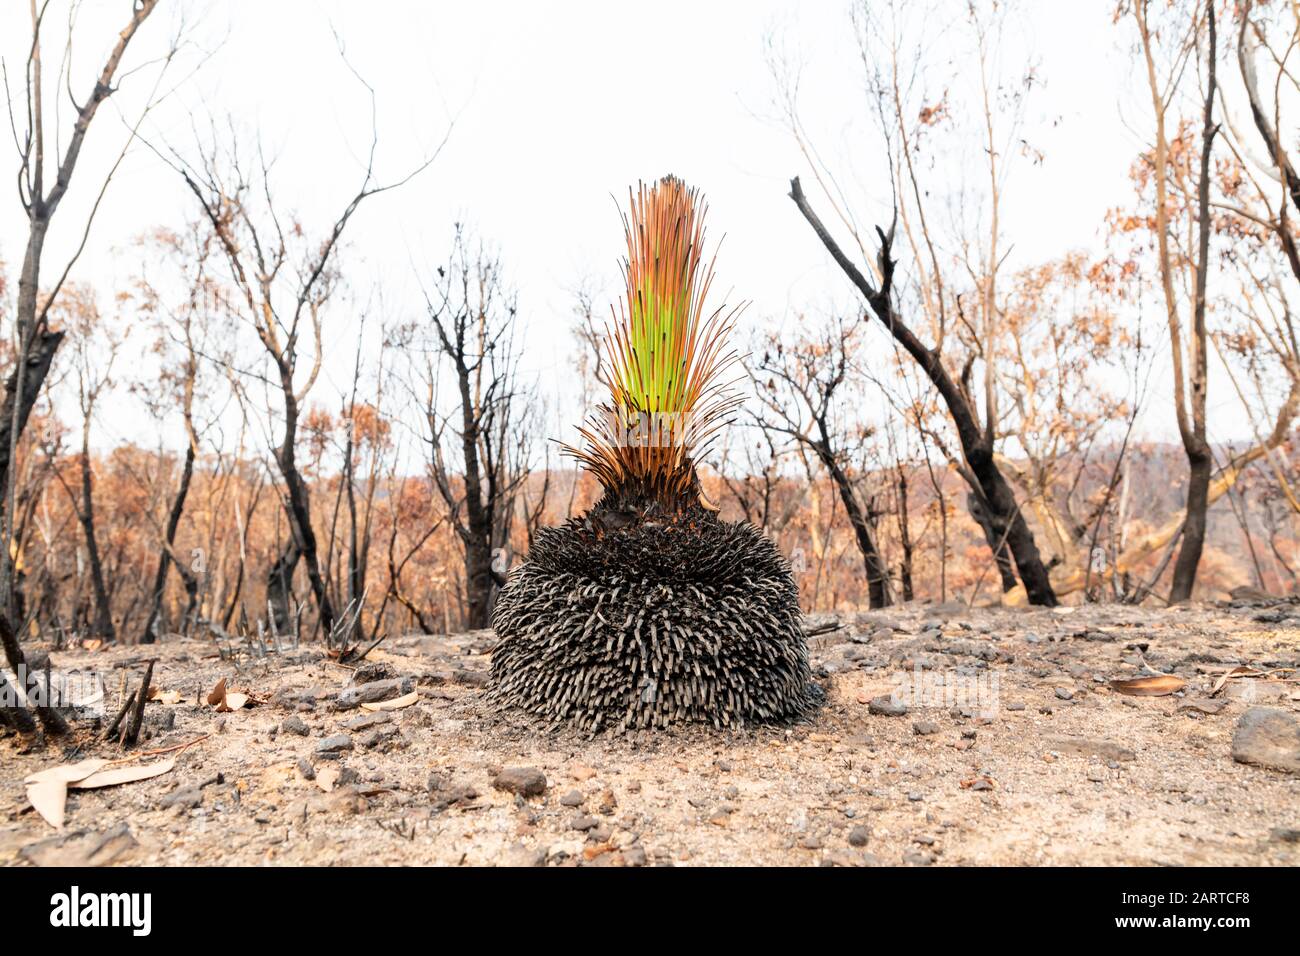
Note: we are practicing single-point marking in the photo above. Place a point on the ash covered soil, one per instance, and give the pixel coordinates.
(1047, 765)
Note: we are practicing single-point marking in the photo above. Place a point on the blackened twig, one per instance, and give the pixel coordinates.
(132, 734)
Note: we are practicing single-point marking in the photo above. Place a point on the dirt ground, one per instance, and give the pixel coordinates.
(1035, 760)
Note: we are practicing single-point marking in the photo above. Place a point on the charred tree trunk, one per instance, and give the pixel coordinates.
(169, 538)
(1200, 461)
(975, 443)
(52, 721)
(996, 536)
(297, 504)
(1200, 467)
(877, 573)
(279, 587)
(904, 537)
(102, 625)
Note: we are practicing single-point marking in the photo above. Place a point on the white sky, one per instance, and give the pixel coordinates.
(556, 106)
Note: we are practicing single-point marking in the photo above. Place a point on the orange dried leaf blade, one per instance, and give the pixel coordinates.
(1159, 685)
(218, 694)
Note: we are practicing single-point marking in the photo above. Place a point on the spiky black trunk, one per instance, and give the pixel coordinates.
(620, 621)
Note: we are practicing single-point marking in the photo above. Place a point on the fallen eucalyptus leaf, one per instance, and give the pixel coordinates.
(396, 703)
(1160, 685)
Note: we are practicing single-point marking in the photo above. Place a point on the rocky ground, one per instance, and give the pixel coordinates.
(948, 736)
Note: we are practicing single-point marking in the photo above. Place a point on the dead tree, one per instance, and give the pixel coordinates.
(284, 282)
(95, 352)
(473, 318)
(1190, 368)
(801, 390)
(976, 442)
(36, 341)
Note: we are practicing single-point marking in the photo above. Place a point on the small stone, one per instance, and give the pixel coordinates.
(1091, 747)
(573, 798)
(1201, 705)
(521, 856)
(608, 803)
(524, 781)
(1284, 835)
(373, 692)
(584, 821)
(968, 735)
(858, 836)
(918, 859)
(293, 724)
(1016, 706)
(306, 769)
(923, 728)
(366, 721)
(185, 797)
(885, 706)
(634, 855)
(1064, 693)
(377, 736)
(1267, 737)
(915, 796)
(811, 842)
(334, 744)
(371, 671)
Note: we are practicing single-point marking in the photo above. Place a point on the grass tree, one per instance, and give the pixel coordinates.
(650, 610)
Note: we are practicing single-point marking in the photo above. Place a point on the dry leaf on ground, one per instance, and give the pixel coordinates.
(113, 776)
(327, 777)
(1159, 685)
(1229, 675)
(47, 790)
(406, 700)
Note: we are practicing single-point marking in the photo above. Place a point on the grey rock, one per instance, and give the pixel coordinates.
(1091, 747)
(923, 728)
(1267, 737)
(573, 798)
(524, 781)
(334, 744)
(858, 836)
(634, 855)
(373, 692)
(378, 736)
(293, 724)
(522, 856)
(884, 706)
(1202, 705)
(366, 721)
(185, 797)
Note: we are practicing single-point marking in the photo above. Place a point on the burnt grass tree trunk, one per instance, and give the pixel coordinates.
(650, 610)
(617, 625)
(976, 443)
